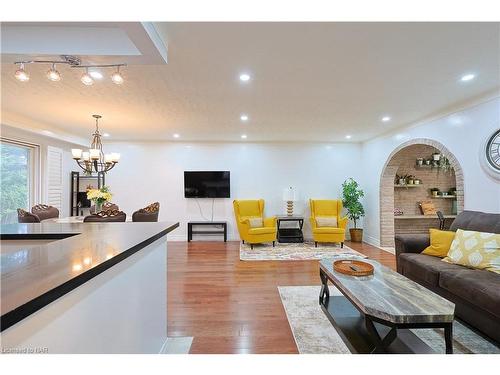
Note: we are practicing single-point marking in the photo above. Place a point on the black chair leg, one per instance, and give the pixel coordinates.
(341, 245)
(243, 241)
(273, 243)
(315, 243)
(251, 246)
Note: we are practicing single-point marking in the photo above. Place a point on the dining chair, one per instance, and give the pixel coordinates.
(106, 216)
(147, 214)
(45, 212)
(24, 216)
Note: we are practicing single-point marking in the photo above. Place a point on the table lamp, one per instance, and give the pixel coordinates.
(289, 196)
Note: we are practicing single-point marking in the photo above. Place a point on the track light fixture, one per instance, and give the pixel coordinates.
(73, 62)
(116, 77)
(86, 78)
(21, 74)
(53, 74)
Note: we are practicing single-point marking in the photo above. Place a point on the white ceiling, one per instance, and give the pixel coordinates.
(310, 81)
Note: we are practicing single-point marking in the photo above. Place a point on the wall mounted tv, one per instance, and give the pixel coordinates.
(206, 184)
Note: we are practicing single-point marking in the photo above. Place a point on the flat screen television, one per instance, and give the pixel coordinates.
(207, 184)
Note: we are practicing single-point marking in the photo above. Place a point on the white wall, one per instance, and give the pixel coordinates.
(462, 133)
(44, 141)
(150, 172)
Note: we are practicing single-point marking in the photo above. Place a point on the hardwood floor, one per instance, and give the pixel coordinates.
(231, 306)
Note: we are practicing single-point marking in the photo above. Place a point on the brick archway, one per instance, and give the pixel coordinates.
(387, 187)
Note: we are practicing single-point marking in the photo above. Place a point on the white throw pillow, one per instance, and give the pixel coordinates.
(326, 221)
(256, 222)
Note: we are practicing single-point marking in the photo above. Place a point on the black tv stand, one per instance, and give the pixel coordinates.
(222, 224)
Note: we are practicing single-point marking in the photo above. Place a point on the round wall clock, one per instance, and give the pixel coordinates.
(493, 150)
(491, 155)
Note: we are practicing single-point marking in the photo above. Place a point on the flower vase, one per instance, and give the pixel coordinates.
(98, 207)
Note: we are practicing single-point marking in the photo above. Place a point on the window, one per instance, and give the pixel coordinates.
(18, 174)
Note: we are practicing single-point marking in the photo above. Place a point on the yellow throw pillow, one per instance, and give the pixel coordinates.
(256, 222)
(478, 250)
(440, 243)
(326, 221)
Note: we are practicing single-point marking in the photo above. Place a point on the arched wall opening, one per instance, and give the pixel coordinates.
(402, 161)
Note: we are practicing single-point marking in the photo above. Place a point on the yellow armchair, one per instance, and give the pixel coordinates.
(244, 210)
(327, 209)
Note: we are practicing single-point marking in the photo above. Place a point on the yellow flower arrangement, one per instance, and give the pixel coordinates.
(99, 196)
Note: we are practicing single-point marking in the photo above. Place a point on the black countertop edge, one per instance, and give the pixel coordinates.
(14, 316)
(37, 236)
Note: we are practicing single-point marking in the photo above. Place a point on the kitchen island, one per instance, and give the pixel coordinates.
(84, 288)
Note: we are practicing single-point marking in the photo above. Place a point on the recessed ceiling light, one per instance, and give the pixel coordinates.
(244, 118)
(386, 119)
(243, 136)
(47, 132)
(106, 135)
(467, 77)
(244, 77)
(348, 136)
(176, 135)
(96, 74)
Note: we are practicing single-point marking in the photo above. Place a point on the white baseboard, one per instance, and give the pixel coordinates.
(371, 240)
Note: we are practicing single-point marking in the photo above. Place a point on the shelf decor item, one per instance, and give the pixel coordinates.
(99, 196)
(436, 156)
(353, 267)
(434, 191)
(351, 194)
(420, 161)
(289, 196)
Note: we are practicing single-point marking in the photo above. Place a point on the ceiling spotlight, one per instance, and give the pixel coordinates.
(116, 77)
(244, 77)
(96, 74)
(243, 136)
(467, 77)
(176, 135)
(106, 134)
(53, 74)
(244, 118)
(21, 74)
(348, 136)
(386, 119)
(86, 78)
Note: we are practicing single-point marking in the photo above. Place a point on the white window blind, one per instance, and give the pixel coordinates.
(54, 177)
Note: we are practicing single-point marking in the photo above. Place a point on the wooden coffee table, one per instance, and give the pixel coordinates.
(375, 313)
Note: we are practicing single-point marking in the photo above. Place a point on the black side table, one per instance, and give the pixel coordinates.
(221, 224)
(290, 235)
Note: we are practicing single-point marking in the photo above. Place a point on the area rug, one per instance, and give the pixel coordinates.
(314, 334)
(295, 251)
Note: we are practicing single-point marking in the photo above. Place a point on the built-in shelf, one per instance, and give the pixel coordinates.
(444, 197)
(407, 185)
(413, 217)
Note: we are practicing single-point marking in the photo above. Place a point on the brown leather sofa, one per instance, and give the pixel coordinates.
(476, 293)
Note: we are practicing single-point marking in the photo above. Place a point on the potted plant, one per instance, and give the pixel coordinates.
(351, 194)
(99, 196)
(453, 191)
(420, 161)
(410, 180)
(434, 191)
(428, 161)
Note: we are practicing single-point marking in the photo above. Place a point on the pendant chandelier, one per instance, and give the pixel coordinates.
(94, 160)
